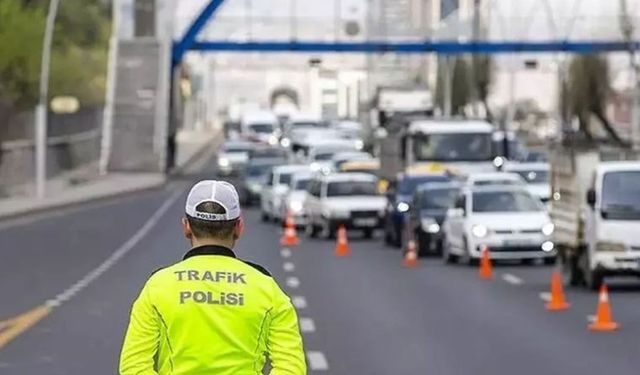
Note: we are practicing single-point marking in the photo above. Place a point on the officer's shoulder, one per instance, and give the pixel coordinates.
(258, 267)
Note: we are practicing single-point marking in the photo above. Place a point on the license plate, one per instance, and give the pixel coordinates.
(365, 222)
(516, 243)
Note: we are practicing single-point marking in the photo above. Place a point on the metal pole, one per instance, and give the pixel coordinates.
(107, 119)
(448, 92)
(41, 108)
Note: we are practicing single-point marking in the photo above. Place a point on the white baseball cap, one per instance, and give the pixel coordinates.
(220, 192)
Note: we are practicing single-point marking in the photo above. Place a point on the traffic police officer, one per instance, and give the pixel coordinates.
(212, 313)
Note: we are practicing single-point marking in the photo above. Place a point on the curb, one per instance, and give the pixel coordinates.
(70, 204)
(154, 185)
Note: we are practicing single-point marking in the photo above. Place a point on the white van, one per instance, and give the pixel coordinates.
(260, 126)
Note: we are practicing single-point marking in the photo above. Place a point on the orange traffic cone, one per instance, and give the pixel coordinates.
(342, 243)
(411, 256)
(486, 269)
(289, 237)
(604, 321)
(558, 301)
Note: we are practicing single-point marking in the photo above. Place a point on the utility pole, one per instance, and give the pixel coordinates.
(627, 28)
(43, 99)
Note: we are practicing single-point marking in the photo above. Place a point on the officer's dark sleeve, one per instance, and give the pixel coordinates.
(142, 338)
(284, 342)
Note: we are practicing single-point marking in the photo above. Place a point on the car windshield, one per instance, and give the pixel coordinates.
(261, 128)
(349, 188)
(496, 181)
(301, 184)
(409, 184)
(438, 199)
(257, 170)
(285, 178)
(305, 124)
(534, 176)
(505, 201)
(324, 156)
(453, 147)
(621, 196)
(268, 153)
(236, 148)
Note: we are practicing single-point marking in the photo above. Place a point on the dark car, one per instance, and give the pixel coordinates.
(253, 178)
(428, 210)
(268, 152)
(399, 202)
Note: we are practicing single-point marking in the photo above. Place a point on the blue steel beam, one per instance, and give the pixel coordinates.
(186, 43)
(441, 47)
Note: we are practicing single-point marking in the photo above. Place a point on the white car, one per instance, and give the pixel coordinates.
(261, 126)
(509, 220)
(321, 151)
(536, 176)
(233, 156)
(349, 199)
(275, 189)
(348, 156)
(495, 178)
(294, 200)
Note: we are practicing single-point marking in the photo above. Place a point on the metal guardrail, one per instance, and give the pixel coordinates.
(52, 141)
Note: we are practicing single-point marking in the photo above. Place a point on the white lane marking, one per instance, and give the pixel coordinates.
(512, 279)
(286, 253)
(307, 325)
(317, 361)
(289, 267)
(299, 302)
(545, 296)
(116, 255)
(293, 282)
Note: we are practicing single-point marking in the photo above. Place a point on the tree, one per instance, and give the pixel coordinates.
(483, 73)
(587, 89)
(79, 55)
(21, 30)
(460, 96)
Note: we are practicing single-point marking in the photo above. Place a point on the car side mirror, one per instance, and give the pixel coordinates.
(591, 198)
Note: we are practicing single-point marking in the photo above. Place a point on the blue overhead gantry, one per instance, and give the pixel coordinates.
(189, 43)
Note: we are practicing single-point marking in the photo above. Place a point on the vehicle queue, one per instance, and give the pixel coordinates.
(323, 177)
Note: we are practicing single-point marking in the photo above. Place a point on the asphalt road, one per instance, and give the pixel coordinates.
(364, 314)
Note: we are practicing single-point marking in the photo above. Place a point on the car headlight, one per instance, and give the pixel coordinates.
(295, 206)
(273, 140)
(479, 231)
(548, 229)
(610, 246)
(223, 162)
(285, 142)
(429, 225)
(547, 246)
(359, 144)
(255, 188)
(402, 207)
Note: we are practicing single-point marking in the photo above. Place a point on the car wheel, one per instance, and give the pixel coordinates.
(311, 230)
(592, 279)
(423, 244)
(550, 261)
(326, 231)
(368, 233)
(467, 258)
(571, 272)
(447, 256)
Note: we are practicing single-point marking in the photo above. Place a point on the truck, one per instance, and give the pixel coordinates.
(595, 209)
(392, 107)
